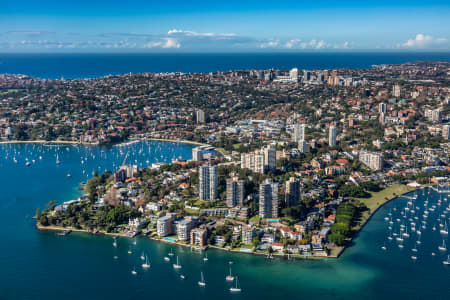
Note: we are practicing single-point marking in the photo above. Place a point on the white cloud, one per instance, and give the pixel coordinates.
(193, 33)
(171, 43)
(165, 43)
(269, 44)
(424, 41)
(292, 43)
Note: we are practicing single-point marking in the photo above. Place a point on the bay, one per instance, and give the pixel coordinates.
(42, 265)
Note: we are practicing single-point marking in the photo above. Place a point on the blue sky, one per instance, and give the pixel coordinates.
(231, 26)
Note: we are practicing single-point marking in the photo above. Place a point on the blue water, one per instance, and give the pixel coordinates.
(95, 65)
(42, 265)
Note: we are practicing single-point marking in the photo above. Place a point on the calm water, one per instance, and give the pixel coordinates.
(41, 265)
(95, 65)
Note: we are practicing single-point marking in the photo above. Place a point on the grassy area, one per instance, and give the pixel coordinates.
(379, 198)
(9, 91)
(223, 151)
(254, 219)
(335, 251)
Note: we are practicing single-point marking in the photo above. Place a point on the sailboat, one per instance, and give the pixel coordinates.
(235, 288)
(134, 271)
(447, 262)
(177, 265)
(383, 247)
(57, 159)
(142, 256)
(206, 257)
(443, 247)
(202, 280)
(171, 252)
(444, 230)
(229, 277)
(146, 265)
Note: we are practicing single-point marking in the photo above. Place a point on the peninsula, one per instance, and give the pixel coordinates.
(286, 161)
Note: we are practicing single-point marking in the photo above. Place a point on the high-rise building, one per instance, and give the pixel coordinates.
(235, 192)
(434, 115)
(292, 191)
(270, 157)
(382, 108)
(198, 236)
(293, 74)
(320, 77)
(197, 154)
(303, 146)
(164, 225)
(332, 136)
(260, 160)
(248, 234)
(200, 116)
(373, 160)
(446, 132)
(299, 132)
(208, 182)
(268, 199)
(396, 91)
(306, 75)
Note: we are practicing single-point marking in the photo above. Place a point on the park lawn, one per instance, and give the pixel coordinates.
(379, 198)
(254, 219)
(223, 151)
(191, 211)
(8, 91)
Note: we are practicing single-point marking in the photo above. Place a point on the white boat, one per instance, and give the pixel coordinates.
(444, 230)
(182, 276)
(142, 256)
(414, 249)
(146, 265)
(134, 271)
(400, 246)
(202, 280)
(166, 259)
(443, 247)
(414, 257)
(235, 288)
(229, 277)
(177, 265)
(115, 257)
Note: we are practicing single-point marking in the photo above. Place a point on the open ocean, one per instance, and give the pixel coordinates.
(43, 265)
(97, 65)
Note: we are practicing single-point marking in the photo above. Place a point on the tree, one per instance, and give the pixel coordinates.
(43, 220)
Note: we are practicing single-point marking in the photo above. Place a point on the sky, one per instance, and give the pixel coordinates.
(223, 26)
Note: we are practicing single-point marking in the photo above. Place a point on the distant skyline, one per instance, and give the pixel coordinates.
(233, 26)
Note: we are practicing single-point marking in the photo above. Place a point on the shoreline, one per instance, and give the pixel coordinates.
(279, 255)
(370, 216)
(176, 141)
(48, 142)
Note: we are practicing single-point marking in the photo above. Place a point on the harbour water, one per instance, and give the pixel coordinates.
(43, 265)
(87, 65)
